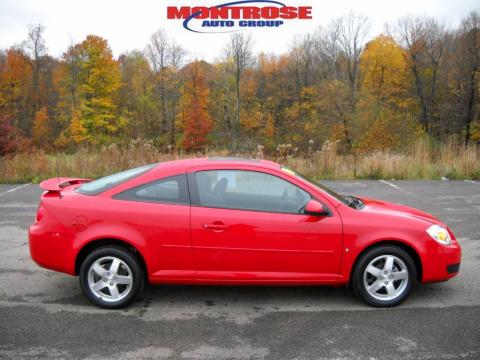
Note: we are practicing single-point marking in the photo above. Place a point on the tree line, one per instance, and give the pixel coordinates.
(337, 84)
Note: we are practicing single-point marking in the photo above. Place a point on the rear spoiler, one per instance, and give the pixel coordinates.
(57, 184)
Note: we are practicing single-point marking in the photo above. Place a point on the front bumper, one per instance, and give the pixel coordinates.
(441, 262)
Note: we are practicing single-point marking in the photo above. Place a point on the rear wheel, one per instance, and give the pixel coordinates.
(384, 276)
(111, 277)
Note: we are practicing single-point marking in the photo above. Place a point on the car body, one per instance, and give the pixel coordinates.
(234, 222)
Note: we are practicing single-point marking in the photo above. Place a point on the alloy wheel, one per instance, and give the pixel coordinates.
(110, 278)
(385, 277)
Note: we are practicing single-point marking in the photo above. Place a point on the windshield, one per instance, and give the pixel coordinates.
(317, 185)
(107, 182)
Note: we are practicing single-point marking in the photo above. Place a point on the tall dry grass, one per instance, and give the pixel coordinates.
(423, 161)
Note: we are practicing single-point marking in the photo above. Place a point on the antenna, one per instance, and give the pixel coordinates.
(58, 173)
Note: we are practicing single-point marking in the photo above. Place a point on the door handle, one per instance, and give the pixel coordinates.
(216, 226)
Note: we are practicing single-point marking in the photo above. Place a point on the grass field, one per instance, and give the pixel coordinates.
(422, 161)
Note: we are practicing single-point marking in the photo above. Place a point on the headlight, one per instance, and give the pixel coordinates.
(440, 234)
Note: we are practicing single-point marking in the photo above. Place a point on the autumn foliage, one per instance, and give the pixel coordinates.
(336, 85)
(88, 81)
(41, 129)
(7, 136)
(197, 123)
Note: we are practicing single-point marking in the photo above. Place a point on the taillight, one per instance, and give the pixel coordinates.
(40, 212)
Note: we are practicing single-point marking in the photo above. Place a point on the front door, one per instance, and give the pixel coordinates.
(249, 226)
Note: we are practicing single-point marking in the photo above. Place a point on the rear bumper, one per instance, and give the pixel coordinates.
(442, 262)
(50, 250)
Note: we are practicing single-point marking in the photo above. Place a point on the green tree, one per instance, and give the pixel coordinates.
(99, 82)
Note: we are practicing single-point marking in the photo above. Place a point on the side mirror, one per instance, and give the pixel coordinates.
(314, 207)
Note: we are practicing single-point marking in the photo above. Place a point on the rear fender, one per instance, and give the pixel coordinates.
(116, 231)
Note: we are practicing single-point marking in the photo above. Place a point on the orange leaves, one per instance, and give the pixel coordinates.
(41, 130)
(378, 138)
(15, 69)
(15, 74)
(78, 132)
(337, 133)
(197, 122)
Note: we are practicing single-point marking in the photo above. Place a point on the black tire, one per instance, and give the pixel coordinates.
(130, 259)
(357, 280)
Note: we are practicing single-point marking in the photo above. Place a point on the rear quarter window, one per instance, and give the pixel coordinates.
(98, 186)
(171, 190)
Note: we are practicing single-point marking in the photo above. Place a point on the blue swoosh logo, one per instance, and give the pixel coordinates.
(194, 15)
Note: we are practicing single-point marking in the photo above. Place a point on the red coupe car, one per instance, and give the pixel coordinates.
(233, 222)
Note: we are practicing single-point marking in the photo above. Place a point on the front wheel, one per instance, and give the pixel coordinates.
(383, 276)
(111, 277)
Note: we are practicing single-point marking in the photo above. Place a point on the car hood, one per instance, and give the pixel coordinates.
(384, 207)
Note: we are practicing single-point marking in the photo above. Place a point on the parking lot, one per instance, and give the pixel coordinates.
(44, 314)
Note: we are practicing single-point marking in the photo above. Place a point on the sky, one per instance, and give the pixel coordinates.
(128, 25)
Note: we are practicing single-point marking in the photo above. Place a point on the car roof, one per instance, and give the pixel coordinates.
(186, 164)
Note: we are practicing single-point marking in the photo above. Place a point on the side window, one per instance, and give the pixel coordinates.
(171, 190)
(98, 186)
(249, 190)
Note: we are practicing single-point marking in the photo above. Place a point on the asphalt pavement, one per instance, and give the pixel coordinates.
(43, 314)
